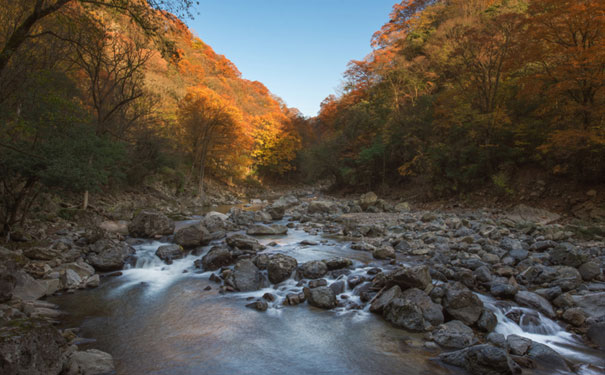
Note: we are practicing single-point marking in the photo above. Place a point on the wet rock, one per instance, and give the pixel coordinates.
(462, 304)
(260, 229)
(337, 263)
(90, 362)
(497, 339)
(92, 282)
(593, 304)
(168, 253)
(192, 236)
(30, 347)
(405, 314)
(280, 267)
(454, 335)
(314, 269)
(568, 278)
(246, 277)
(354, 280)
(216, 222)
(386, 252)
(596, 331)
(276, 212)
(317, 283)
(549, 293)
(216, 258)
(546, 358)
(383, 299)
(269, 297)
(322, 297)
(338, 287)
(589, 270)
(106, 255)
(150, 224)
(517, 345)
(483, 274)
(487, 321)
(480, 360)
(432, 312)
(243, 242)
(565, 300)
(293, 299)
(70, 279)
(410, 277)
(258, 305)
(534, 301)
(574, 316)
(502, 290)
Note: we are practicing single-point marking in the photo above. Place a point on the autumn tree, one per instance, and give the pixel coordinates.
(209, 124)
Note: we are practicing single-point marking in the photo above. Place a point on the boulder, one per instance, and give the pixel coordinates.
(546, 358)
(410, 277)
(246, 277)
(384, 298)
(596, 331)
(517, 345)
(7, 283)
(404, 313)
(90, 362)
(111, 226)
(454, 335)
(106, 255)
(276, 212)
(322, 207)
(593, 304)
(258, 305)
(589, 270)
(168, 253)
(534, 301)
(386, 252)
(150, 224)
(216, 258)
(432, 312)
(27, 288)
(261, 229)
(367, 200)
(502, 290)
(280, 267)
(314, 269)
(462, 304)
(337, 263)
(322, 297)
(243, 242)
(70, 279)
(566, 254)
(480, 360)
(30, 347)
(216, 222)
(192, 236)
(574, 316)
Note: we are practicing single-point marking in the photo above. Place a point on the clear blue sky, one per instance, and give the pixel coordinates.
(298, 49)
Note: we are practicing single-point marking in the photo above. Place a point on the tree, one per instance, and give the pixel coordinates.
(209, 124)
(35, 11)
(46, 135)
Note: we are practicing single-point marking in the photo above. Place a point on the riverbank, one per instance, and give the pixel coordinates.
(455, 276)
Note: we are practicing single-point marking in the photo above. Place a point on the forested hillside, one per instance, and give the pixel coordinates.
(97, 94)
(465, 92)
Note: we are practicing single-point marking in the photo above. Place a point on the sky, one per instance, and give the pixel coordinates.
(298, 48)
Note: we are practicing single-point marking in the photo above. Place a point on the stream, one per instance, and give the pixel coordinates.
(163, 319)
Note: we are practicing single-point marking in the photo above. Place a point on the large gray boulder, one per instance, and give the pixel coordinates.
(462, 304)
(405, 314)
(410, 277)
(150, 224)
(593, 304)
(28, 288)
(566, 254)
(596, 331)
(432, 312)
(454, 335)
(322, 207)
(480, 360)
(243, 242)
(168, 253)
(106, 255)
(246, 277)
(322, 297)
(30, 347)
(192, 236)
(384, 298)
(216, 258)
(534, 301)
(90, 362)
(546, 358)
(280, 267)
(265, 230)
(314, 269)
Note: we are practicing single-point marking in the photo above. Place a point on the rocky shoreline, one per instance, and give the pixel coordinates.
(432, 272)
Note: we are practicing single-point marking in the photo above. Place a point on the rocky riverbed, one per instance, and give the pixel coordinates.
(481, 292)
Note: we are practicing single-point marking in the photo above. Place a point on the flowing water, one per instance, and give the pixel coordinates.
(160, 319)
